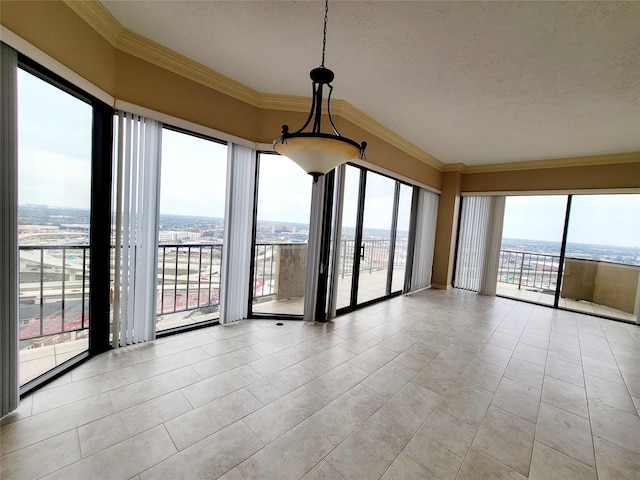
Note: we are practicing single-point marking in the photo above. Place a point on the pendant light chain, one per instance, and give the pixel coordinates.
(316, 152)
(324, 35)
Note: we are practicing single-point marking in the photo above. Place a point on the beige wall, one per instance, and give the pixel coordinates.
(620, 175)
(446, 230)
(60, 33)
(55, 29)
(602, 283)
(147, 85)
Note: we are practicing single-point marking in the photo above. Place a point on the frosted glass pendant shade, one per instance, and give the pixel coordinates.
(317, 154)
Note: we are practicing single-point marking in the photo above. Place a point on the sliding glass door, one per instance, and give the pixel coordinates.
(531, 247)
(374, 237)
(282, 233)
(602, 260)
(374, 245)
(401, 250)
(578, 252)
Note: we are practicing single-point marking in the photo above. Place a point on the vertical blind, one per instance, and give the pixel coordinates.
(9, 353)
(336, 229)
(313, 249)
(479, 241)
(236, 252)
(137, 166)
(426, 218)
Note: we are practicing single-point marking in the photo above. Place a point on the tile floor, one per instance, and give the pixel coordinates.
(436, 385)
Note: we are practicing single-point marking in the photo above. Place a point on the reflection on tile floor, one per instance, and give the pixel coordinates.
(439, 384)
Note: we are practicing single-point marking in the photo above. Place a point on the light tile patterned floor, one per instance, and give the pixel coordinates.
(437, 385)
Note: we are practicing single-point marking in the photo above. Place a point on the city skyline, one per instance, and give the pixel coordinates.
(217, 221)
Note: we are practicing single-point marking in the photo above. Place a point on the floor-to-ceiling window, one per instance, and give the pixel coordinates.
(402, 237)
(281, 235)
(531, 246)
(374, 237)
(191, 228)
(54, 185)
(350, 207)
(602, 259)
(62, 139)
(579, 252)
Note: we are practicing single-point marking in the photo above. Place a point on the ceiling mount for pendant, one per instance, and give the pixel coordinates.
(316, 152)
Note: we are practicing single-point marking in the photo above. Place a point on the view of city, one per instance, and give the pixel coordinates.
(54, 266)
(604, 253)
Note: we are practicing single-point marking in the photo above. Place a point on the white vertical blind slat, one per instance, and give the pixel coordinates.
(427, 216)
(489, 282)
(137, 192)
(238, 219)
(9, 350)
(313, 249)
(336, 234)
(479, 241)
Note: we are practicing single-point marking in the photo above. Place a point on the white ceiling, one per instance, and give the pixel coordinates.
(468, 82)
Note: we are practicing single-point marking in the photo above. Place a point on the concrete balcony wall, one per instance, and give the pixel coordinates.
(291, 271)
(609, 284)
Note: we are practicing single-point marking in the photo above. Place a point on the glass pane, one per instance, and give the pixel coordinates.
(376, 237)
(402, 238)
(282, 232)
(531, 242)
(54, 186)
(192, 202)
(347, 236)
(602, 260)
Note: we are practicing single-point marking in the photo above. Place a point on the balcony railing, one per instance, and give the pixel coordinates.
(268, 257)
(530, 270)
(54, 280)
(264, 269)
(54, 291)
(374, 256)
(188, 277)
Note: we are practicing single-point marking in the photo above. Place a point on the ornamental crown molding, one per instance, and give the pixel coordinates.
(125, 40)
(98, 18)
(584, 161)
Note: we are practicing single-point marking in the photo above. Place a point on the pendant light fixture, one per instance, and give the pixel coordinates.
(316, 152)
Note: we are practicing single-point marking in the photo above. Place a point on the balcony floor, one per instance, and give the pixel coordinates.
(371, 286)
(36, 361)
(438, 384)
(545, 298)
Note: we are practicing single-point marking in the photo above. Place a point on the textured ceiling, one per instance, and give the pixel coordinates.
(468, 82)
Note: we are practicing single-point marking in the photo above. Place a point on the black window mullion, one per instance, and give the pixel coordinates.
(393, 237)
(357, 250)
(563, 249)
(100, 228)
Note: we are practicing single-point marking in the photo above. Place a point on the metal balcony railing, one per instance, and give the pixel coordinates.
(188, 277)
(54, 280)
(54, 290)
(264, 267)
(529, 270)
(374, 257)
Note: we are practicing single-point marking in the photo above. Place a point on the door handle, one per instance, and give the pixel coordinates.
(362, 251)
